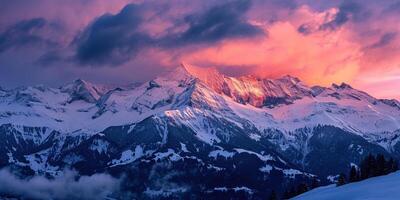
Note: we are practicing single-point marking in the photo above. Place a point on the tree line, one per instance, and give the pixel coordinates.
(301, 188)
(370, 166)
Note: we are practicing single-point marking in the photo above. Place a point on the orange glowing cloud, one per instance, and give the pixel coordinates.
(319, 42)
(321, 57)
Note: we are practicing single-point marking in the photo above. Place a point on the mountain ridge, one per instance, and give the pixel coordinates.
(288, 131)
(265, 94)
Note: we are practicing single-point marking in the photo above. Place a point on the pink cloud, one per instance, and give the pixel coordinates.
(318, 58)
(353, 52)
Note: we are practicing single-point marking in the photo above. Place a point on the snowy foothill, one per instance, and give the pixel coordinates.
(378, 188)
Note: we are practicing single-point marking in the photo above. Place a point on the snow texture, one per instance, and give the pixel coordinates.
(377, 188)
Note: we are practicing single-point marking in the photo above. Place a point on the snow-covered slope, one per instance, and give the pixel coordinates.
(252, 90)
(198, 114)
(377, 188)
(82, 105)
(285, 104)
(82, 90)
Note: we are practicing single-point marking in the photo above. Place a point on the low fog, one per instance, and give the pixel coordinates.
(66, 186)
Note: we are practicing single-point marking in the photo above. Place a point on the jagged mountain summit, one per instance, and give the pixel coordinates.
(285, 103)
(267, 130)
(82, 90)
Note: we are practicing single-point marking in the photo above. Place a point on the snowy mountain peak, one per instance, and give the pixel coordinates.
(205, 74)
(175, 74)
(83, 90)
(2, 91)
(391, 102)
(208, 75)
(289, 101)
(341, 86)
(246, 89)
(291, 79)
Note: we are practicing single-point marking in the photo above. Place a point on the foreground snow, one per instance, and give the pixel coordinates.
(383, 187)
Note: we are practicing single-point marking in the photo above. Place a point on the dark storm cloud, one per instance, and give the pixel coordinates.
(347, 10)
(219, 22)
(393, 8)
(291, 4)
(385, 39)
(23, 33)
(50, 58)
(304, 29)
(112, 39)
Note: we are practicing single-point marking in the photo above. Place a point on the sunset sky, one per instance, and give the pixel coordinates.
(120, 41)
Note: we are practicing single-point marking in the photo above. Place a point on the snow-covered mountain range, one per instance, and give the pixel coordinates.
(266, 130)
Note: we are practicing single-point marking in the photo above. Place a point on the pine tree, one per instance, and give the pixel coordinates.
(380, 165)
(273, 196)
(368, 167)
(314, 183)
(290, 193)
(391, 166)
(395, 166)
(364, 169)
(341, 180)
(353, 176)
(372, 166)
(301, 188)
(375, 166)
(293, 192)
